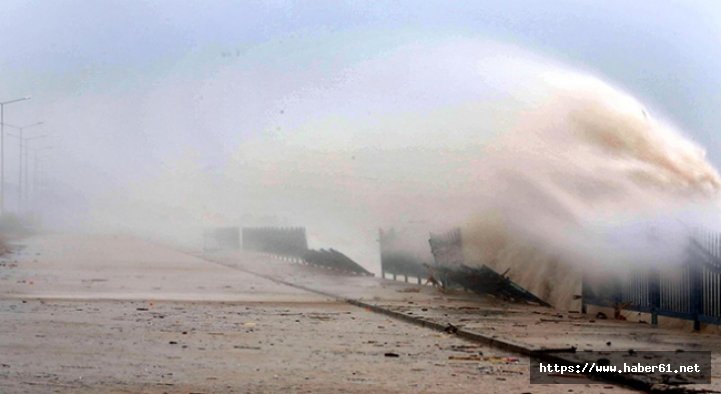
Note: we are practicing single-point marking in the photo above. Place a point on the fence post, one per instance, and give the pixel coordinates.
(383, 268)
(696, 288)
(382, 244)
(617, 296)
(654, 294)
(584, 293)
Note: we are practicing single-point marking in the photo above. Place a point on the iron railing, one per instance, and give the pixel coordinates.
(691, 290)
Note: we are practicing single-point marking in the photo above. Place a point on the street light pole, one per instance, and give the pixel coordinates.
(21, 140)
(24, 146)
(2, 150)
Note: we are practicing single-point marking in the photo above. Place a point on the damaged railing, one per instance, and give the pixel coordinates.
(448, 268)
(397, 260)
(287, 241)
(291, 242)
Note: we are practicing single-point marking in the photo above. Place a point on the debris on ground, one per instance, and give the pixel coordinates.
(410, 290)
(465, 358)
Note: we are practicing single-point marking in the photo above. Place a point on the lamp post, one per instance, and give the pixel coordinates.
(2, 150)
(22, 139)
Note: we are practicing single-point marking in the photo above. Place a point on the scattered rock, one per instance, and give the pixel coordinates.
(451, 329)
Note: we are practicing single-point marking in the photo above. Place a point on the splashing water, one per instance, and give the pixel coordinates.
(588, 181)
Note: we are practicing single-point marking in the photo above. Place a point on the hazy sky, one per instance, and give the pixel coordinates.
(123, 85)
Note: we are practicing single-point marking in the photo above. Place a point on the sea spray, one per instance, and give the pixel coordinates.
(549, 170)
(589, 182)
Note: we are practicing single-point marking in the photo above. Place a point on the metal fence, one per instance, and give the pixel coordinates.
(333, 259)
(291, 243)
(287, 241)
(689, 291)
(447, 248)
(449, 268)
(398, 260)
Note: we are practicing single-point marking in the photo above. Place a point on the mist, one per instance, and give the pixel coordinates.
(523, 152)
(324, 196)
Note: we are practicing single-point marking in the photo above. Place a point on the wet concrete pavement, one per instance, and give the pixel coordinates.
(525, 326)
(119, 314)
